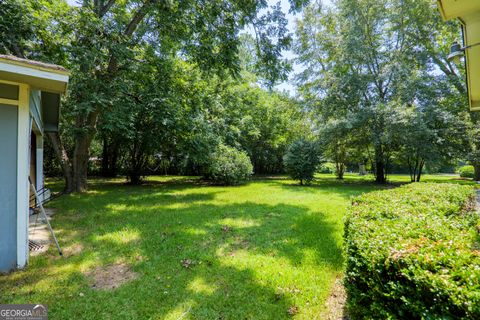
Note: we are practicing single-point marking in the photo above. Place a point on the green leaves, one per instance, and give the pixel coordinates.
(301, 160)
(229, 166)
(411, 253)
(380, 66)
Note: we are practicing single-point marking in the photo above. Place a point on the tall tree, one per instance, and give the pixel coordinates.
(106, 34)
(370, 60)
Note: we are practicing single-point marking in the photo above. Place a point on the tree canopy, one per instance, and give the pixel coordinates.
(377, 78)
(159, 86)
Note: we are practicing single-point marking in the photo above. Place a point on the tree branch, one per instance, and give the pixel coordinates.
(105, 8)
(137, 18)
(129, 30)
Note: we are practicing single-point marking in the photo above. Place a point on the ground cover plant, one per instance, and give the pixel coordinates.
(412, 253)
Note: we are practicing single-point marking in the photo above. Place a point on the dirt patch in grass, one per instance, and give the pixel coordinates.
(73, 250)
(336, 302)
(111, 276)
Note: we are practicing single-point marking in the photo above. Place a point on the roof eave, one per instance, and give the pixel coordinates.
(36, 76)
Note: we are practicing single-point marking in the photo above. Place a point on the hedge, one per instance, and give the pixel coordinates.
(413, 252)
(466, 172)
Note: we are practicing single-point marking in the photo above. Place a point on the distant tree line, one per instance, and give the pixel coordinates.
(162, 87)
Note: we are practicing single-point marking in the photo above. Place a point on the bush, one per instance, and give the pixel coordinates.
(301, 160)
(229, 166)
(412, 253)
(466, 172)
(327, 167)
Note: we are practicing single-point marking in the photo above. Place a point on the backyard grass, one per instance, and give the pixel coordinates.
(267, 250)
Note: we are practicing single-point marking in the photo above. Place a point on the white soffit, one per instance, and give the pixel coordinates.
(38, 75)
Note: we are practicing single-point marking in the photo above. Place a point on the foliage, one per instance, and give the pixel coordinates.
(473, 138)
(262, 123)
(368, 71)
(34, 29)
(105, 44)
(301, 160)
(411, 254)
(16, 28)
(466, 172)
(182, 115)
(337, 142)
(326, 167)
(159, 82)
(229, 166)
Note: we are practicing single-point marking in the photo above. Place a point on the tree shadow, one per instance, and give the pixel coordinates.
(342, 188)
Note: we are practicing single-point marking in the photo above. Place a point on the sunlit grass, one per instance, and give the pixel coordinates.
(200, 251)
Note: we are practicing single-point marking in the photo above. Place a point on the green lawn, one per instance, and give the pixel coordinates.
(198, 251)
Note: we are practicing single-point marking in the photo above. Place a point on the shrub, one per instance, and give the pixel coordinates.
(301, 160)
(327, 167)
(229, 166)
(412, 253)
(466, 172)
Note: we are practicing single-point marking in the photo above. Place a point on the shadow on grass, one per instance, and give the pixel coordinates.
(341, 188)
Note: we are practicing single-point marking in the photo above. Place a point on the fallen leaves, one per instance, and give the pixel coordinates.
(187, 263)
(293, 310)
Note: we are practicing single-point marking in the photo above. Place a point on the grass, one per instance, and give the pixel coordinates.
(200, 252)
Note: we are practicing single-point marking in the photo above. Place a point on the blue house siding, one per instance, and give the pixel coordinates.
(29, 106)
(8, 187)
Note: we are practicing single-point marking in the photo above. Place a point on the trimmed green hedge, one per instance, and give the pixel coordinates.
(413, 253)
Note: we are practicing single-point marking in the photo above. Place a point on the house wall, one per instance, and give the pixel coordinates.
(21, 113)
(8, 186)
(14, 168)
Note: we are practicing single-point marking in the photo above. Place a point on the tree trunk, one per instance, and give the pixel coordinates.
(340, 170)
(411, 170)
(64, 160)
(135, 177)
(361, 169)
(476, 171)
(109, 157)
(137, 162)
(105, 158)
(81, 153)
(420, 168)
(416, 169)
(80, 162)
(75, 169)
(379, 166)
(380, 172)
